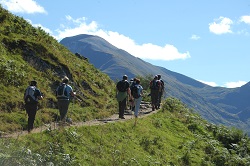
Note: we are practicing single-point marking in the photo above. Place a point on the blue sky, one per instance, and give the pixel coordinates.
(206, 40)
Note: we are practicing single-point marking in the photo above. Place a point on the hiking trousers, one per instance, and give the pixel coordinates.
(154, 98)
(122, 106)
(137, 106)
(31, 110)
(63, 106)
(159, 99)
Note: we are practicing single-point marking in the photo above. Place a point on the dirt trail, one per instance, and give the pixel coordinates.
(145, 110)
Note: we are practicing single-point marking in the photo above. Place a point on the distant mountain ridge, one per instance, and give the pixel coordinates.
(216, 104)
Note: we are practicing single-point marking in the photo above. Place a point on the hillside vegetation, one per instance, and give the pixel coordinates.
(29, 53)
(172, 136)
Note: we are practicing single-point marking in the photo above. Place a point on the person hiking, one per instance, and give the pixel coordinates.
(64, 93)
(161, 90)
(122, 92)
(137, 93)
(132, 102)
(154, 91)
(31, 96)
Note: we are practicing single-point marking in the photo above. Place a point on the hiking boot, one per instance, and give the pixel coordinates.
(122, 117)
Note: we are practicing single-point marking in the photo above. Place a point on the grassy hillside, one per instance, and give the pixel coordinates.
(173, 136)
(29, 53)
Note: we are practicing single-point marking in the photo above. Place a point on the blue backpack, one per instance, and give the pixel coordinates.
(135, 91)
(29, 96)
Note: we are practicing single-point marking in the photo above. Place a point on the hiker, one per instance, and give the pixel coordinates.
(64, 93)
(154, 92)
(122, 92)
(137, 95)
(161, 90)
(132, 102)
(31, 96)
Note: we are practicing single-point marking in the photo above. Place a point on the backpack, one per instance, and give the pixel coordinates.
(29, 96)
(122, 86)
(154, 84)
(162, 85)
(61, 91)
(135, 91)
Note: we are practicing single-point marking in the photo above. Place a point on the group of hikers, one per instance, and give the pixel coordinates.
(131, 91)
(64, 93)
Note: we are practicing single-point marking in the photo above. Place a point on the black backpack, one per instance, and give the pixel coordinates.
(135, 91)
(61, 91)
(29, 96)
(122, 86)
(154, 84)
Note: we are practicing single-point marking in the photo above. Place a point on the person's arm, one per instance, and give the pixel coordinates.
(72, 93)
(141, 91)
(39, 95)
(129, 92)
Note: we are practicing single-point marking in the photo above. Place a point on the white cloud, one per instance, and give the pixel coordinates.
(235, 84)
(226, 85)
(22, 6)
(213, 84)
(221, 25)
(245, 19)
(144, 51)
(195, 37)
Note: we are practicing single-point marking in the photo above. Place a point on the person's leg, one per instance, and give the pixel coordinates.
(31, 110)
(159, 101)
(122, 107)
(63, 106)
(137, 106)
(156, 99)
(152, 100)
(154, 96)
(133, 105)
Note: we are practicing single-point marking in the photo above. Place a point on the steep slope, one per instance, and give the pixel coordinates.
(213, 103)
(29, 53)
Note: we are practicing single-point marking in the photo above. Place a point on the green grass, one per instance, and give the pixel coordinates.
(164, 138)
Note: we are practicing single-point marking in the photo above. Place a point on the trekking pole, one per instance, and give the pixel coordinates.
(41, 125)
(56, 120)
(69, 119)
(73, 106)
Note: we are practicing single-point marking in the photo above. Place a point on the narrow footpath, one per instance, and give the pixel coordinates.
(145, 110)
